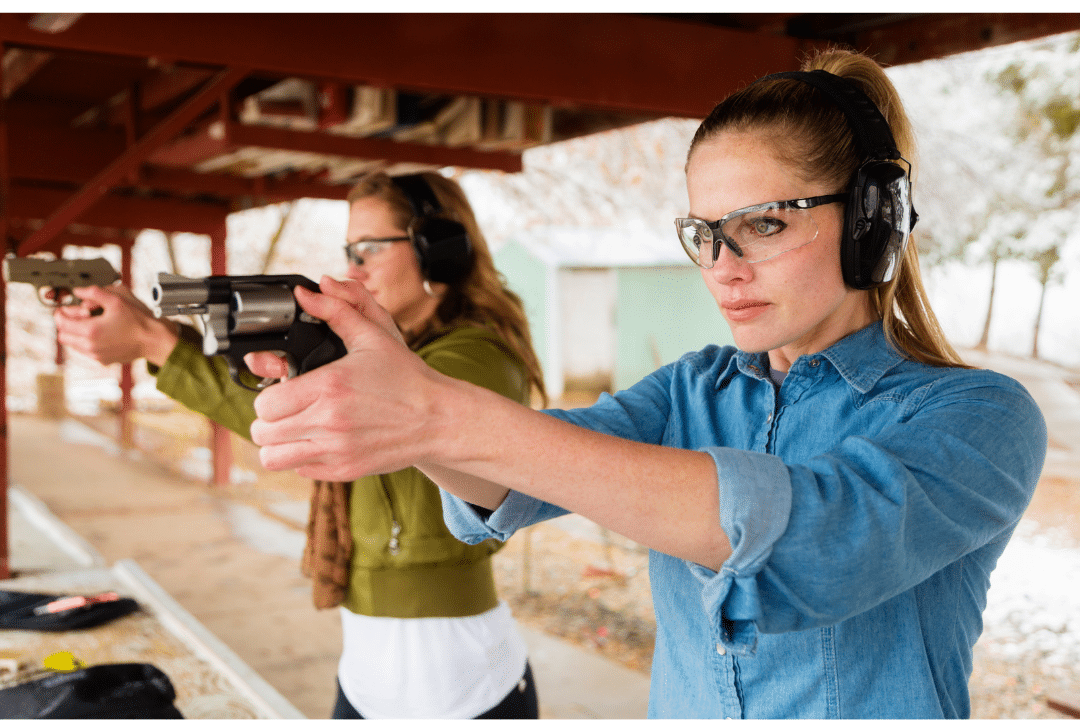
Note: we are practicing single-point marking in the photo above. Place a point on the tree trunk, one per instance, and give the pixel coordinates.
(1038, 322)
(272, 249)
(170, 248)
(984, 339)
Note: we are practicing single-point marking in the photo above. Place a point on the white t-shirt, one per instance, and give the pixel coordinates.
(430, 667)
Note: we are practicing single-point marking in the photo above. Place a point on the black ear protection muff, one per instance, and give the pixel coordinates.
(878, 217)
(442, 245)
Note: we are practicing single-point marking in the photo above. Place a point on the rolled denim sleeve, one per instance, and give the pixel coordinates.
(517, 511)
(755, 505)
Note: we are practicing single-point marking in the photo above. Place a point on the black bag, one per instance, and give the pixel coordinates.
(17, 612)
(122, 690)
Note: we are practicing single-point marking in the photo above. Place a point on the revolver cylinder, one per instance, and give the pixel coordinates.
(262, 308)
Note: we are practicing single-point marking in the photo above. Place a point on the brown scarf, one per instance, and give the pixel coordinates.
(329, 543)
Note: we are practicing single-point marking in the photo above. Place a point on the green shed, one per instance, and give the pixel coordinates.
(607, 307)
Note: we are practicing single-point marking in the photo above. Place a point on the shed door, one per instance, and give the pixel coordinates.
(588, 322)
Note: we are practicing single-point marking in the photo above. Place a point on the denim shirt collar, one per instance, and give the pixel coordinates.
(862, 358)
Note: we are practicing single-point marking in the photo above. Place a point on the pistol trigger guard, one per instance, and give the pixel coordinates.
(54, 297)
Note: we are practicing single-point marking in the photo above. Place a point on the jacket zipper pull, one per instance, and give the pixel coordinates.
(395, 545)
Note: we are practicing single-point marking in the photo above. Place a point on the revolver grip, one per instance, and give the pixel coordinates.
(311, 345)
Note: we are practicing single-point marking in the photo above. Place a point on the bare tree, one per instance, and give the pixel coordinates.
(1047, 127)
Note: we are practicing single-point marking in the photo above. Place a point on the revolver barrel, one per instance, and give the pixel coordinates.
(178, 295)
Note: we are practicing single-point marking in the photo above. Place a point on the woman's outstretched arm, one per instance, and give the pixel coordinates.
(381, 408)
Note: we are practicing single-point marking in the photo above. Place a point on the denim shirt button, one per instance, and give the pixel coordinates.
(720, 649)
(815, 362)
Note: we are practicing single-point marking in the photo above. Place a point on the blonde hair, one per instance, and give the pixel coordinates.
(811, 134)
(481, 298)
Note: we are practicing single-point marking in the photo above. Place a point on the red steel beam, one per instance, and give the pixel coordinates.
(939, 35)
(59, 154)
(55, 154)
(268, 189)
(191, 149)
(370, 148)
(131, 158)
(168, 215)
(605, 61)
(84, 239)
(22, 66)
(210, 142)
(624, 62)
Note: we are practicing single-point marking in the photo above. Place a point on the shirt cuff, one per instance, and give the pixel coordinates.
(755, 505)
(472, 525)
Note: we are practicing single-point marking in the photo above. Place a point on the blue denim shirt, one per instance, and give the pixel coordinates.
(867, 499)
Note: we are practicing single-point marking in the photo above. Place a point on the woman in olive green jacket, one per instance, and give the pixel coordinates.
(424, 634)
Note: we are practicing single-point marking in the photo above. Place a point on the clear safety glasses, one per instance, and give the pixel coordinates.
(756, 233)
(362, 250)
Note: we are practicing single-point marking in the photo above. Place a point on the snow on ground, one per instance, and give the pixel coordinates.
(1033, 607)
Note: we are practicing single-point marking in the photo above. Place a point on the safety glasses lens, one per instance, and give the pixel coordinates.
(697, 240)
(764, 232)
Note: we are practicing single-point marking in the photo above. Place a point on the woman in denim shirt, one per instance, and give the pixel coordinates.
(824, 503)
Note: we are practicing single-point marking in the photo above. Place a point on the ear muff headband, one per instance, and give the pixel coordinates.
(878, 216)
(442, 246)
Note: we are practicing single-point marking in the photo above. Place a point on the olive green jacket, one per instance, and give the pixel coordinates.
(405, 562)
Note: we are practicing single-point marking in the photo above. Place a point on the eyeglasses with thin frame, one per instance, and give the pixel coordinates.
(361, 250)
(756, 233)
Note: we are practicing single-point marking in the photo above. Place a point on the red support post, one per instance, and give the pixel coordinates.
(5, 566)
(127, 382)
(5, 188)
(220, 440)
